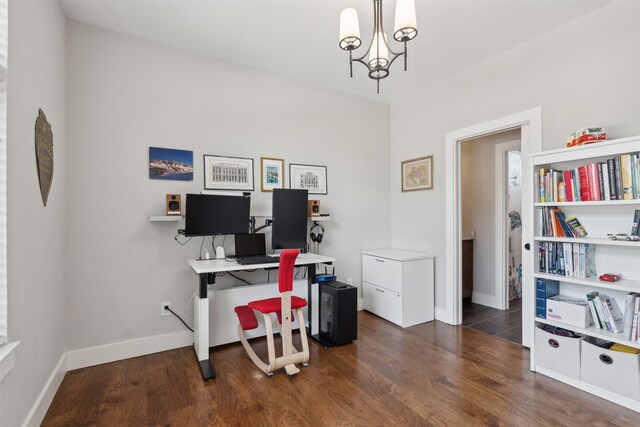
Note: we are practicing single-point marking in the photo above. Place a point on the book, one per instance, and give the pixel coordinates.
(618, 178)
(600, 182)
(576, 228)
(605, 181)
(597, 322)
(568, 259)
(611, 166)
(593, 178)
(568, 186)
(584, 184)
(635, 227)
(606, 318)
(629, 305)
(636, 314)
(616, 317)
(627, 185)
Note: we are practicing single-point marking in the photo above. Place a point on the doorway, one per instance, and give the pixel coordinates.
(490, 194)
(530, 124)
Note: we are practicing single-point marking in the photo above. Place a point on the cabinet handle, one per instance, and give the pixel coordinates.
(379, 260)
(527, 246)
(606, 359)
(553, 343)
(379, 290)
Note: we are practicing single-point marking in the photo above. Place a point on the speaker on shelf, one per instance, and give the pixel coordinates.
(173, 204)
(314, 208)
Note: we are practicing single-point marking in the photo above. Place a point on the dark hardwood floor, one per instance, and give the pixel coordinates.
(505, 324)
(429, 374)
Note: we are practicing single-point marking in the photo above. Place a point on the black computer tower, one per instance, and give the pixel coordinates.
(338, 313)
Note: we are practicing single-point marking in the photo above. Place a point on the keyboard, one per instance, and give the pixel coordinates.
(258, 259)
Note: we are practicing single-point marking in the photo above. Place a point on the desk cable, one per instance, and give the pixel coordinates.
(166, 307)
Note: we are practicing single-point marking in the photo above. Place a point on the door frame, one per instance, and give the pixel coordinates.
(502, 221)
(530, 123)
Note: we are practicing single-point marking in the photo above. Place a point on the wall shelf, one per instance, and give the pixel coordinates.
(591, 203)
(620, 285)
(591, 240)
(165, 218)
(319, 218)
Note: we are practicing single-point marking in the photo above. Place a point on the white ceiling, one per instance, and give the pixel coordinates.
(299, 38)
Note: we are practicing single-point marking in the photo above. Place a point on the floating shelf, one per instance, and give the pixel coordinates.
(165, 218)
(592, 331)
(620, 285)
(319, 218)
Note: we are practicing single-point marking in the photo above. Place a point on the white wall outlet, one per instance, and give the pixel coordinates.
(164, 312)
(349, 280)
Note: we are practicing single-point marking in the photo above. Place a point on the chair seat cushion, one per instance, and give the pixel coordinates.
(247, 317)
(273, 305)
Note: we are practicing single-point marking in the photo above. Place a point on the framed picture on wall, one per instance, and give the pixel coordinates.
(417, 174)
(228, 173)
(170, 164)
(271, 173)
(308, 177)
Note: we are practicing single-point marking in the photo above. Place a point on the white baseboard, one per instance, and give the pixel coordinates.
(484, 299)
(127, 349)
(360, 304)
(42, 403)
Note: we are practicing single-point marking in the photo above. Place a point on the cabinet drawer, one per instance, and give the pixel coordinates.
(383, 302)
(382, 272)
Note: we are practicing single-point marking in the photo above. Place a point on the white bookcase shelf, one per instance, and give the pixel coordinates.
(605, 241)
(612, 256)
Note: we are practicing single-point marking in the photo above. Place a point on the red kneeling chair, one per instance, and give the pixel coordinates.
(278, 305)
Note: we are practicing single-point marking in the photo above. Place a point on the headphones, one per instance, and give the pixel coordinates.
(317, 238)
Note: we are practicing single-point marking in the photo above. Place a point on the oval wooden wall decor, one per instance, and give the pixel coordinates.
(44, 154)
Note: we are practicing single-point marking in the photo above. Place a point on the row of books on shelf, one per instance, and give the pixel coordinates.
(616, 179)
(599, 310)
(552, 222)
(567, 259)
(606, 314)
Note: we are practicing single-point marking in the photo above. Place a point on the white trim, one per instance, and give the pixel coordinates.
(501, 191)
(126, 349)
(7, 358)
(486, 299)
(41, 405)
(360, 306)
(530, 123)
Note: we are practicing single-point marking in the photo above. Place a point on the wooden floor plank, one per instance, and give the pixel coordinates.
(430, 375)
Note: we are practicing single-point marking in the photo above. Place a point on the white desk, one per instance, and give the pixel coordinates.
(206, 270)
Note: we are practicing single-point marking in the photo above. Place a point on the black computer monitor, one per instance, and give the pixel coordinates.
(289, 219)
(210, 215)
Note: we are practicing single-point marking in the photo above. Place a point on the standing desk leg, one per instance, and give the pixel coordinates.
(311, 279)
(201, 330)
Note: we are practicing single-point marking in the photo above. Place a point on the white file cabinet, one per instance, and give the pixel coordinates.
(397, 285)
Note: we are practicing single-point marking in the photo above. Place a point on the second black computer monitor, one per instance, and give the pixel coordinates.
(289, 211)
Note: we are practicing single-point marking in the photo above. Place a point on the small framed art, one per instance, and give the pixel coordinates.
(271, 173)
(228, 173)
(170, 164)
(308, 177)
(417, 174)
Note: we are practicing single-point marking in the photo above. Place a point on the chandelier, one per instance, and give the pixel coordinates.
(379, 57)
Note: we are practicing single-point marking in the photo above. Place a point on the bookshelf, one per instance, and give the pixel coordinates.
(599, 218)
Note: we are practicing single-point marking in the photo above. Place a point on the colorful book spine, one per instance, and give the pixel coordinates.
(611, 165)
(584, 184)
(605, 181)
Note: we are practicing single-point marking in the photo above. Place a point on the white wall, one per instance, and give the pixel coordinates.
(582, 74)
(36, 235)
(479, 203)
(125, 94)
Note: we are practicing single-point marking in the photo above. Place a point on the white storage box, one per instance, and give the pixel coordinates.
(567, 310)
(611, 370)
(558, 353)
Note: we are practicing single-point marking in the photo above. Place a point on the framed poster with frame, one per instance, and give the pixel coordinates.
(271, 173)
(228, 173)
(417, 174)
(308, 177)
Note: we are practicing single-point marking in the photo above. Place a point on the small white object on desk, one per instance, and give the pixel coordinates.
(220, 252)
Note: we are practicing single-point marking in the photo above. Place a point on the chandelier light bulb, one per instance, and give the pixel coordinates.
(379, 53)
(349, 29)
(405, 27)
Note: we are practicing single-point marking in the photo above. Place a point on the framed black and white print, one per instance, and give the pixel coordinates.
(308, 177)
(228, 173)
